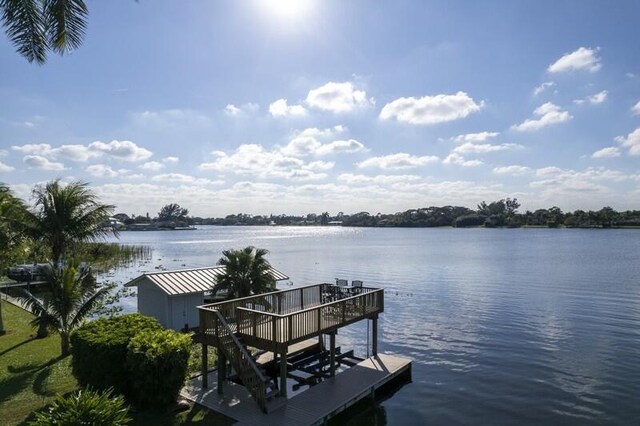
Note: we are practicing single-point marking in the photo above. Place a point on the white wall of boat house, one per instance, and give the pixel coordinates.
(173, 312)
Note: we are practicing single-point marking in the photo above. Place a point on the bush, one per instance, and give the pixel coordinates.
(468, 220)
(99, 350)
(157, 363)
(85, 407)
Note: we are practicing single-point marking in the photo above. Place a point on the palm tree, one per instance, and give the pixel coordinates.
(10, 208)
(247, 272)
(66, 215)
(36, 27)
(69, 298)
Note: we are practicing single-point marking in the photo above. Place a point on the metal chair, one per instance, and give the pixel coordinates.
(341, 283)
(356, 283)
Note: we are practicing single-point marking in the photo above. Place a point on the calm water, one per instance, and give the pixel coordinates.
(502, 325)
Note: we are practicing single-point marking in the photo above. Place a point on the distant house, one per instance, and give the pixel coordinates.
(172, 297)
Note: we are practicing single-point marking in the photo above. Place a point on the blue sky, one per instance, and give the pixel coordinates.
(304, 106)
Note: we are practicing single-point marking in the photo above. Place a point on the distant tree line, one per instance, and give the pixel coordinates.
(500, 213)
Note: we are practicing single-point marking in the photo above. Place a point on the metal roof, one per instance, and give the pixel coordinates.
(188, 281)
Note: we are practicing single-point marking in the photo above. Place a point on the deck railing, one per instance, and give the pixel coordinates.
(275, 320)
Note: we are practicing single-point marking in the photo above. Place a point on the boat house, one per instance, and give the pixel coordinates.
(173, 297)
(284, 327)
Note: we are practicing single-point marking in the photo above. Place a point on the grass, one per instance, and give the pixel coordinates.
(32, 374)
(31, 371)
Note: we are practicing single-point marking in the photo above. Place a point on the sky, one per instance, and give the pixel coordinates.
(301, 106)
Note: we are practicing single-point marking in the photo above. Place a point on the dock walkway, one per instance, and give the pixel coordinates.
(311, 407)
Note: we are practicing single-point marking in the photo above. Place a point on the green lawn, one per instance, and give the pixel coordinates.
(32, 373)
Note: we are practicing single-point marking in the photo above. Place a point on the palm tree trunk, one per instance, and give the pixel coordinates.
(64, 343)
(42, 331)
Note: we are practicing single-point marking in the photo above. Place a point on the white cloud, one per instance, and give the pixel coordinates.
(631, 141)
(3, 152)
(577, 187)
(280, 108)
(514, 170)
(253, 159)
(103, 171)
(598, 98)
(581, 59)
(42, 163)
(455, 158)
(122, 150)
(170, 160)
(310, 142)
(475, 137)
(320, 165)
(71, 152)
(4, 168)
(338, 97)
(152, 165)
(608, 152)
(34, 149)
(236, 111)
(182, 178)
(75, 152)
(340, 146)
(544, 86)
(430, 109)
(474, 148)
(636, 109)
(353, 179)
(398, 161)
(231, 109)
(548, 114)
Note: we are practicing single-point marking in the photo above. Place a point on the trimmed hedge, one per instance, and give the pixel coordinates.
(85, 407)
(99, 350)
(157, 363)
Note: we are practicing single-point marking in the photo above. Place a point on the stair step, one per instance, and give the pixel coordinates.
(271, 394)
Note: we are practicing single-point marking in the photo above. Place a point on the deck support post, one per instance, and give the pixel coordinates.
(222, 371)
(205, 364)
(332, 354)
(283, 372)
(374, 348)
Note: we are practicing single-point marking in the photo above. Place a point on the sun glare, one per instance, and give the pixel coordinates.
(287, 10)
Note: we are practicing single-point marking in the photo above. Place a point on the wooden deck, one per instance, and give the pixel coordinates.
(311, 407)
(295, 349)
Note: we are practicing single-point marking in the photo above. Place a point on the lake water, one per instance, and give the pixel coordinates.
(503, 325)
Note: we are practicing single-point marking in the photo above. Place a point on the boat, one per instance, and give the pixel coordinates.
(29, 272)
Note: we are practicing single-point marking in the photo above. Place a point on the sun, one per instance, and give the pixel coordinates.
(287, 10)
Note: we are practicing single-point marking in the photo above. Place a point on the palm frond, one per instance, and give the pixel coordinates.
(30, 302)
(65, 24)
(87, 307)
(25, 26)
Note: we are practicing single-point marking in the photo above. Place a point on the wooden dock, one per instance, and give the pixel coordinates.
(313, 406)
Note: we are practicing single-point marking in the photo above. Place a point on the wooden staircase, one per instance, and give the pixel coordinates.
(263, 388)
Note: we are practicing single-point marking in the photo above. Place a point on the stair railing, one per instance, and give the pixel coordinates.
(242, 362)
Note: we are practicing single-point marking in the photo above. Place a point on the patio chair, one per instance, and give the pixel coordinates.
(356, 283)
(341, 283)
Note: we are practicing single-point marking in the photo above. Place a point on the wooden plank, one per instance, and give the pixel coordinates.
(311, 407)
(296, 349)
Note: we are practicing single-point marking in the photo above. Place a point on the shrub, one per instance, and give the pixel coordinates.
(157, 363)
(468, 220)
(99, 350)
(85, 407)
